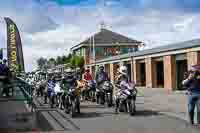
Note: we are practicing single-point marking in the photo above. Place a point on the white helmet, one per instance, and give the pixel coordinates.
(123, 70)
(56, 71)
(68, 70)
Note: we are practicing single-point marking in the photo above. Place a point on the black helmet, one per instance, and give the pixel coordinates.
(4, 61)
(101, 67)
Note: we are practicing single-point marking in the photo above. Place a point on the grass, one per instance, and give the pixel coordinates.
(140, 92)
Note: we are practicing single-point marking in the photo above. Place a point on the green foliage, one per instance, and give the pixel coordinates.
(41, 62)
(70, 60)
(73, 61)
(77, 61)
(59, 60)
(69, 57)
(80, 62)
(51, 62)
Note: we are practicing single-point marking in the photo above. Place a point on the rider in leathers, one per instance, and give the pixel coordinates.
(101, 76)
(122, 77)
(68, 81)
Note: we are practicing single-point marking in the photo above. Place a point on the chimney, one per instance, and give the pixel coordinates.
(102, 26)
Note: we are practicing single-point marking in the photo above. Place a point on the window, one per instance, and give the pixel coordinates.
(124, 50)
(110, 51)
(99, 51)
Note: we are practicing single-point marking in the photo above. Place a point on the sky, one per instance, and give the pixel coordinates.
(49, 28)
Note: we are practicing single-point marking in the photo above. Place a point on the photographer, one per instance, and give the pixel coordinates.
(192, 83)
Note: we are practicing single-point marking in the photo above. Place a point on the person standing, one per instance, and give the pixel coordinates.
(87, 77)
(5, 74)
(192, 83)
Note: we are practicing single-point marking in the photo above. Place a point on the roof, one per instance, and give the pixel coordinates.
(106, 37)
(166, 48)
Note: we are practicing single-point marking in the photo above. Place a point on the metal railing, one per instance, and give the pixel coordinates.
(26, 89)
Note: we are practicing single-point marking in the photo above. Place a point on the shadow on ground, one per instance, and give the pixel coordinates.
(88, 115)
(93, 106)
(146, 113)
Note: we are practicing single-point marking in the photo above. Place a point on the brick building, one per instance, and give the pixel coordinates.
(162, 67)
(107, 44)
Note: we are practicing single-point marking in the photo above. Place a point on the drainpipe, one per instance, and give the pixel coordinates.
(132, 69)
(94, 54)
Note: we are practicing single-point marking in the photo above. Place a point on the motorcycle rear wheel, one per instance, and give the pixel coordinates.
(66, 106)
(132, 108)
(78, 105)
(108, 100)
(52, 101)
(73, 109)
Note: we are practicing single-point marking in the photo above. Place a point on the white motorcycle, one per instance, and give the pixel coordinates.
(104, 93)
(55, 95)
(126, 97)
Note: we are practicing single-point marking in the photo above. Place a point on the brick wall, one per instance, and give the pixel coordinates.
(150, 73)
(169, 72)
(193, 58)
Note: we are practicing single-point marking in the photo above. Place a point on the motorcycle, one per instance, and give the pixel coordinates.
(58, 94)
(104, 93)
(89, 90)
(126, 96)
(52, 98)
(53, 95)
(72, 101)
(40, 86)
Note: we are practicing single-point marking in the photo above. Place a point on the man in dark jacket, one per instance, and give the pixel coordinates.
(5, 75)
(101, 76)
(193, 85)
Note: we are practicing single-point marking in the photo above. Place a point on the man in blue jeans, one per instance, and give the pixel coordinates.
(193, 85)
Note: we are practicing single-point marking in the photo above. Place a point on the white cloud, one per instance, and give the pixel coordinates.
(48, 30)
(184, 24)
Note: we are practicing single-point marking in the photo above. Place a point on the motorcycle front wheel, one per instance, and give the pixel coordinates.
(73, 109)
(52, 101)
(102, 98)
(67, 105)
(78, 105)
(132, 107)
(108, 99)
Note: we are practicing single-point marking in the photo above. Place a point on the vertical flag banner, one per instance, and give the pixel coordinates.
(1, 54)
(14, 46)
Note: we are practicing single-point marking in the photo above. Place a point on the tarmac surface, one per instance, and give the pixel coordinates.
(98, 119)
(95, 119)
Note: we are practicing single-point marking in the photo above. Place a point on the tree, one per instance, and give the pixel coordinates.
(77, 61)
(73, 60)
(80, 62)
(58, 60)
(64, 59)
(69, 57)
(41, 62)
(51, 62)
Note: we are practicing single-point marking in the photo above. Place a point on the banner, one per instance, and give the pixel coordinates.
(1, 54)
(14, 47)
